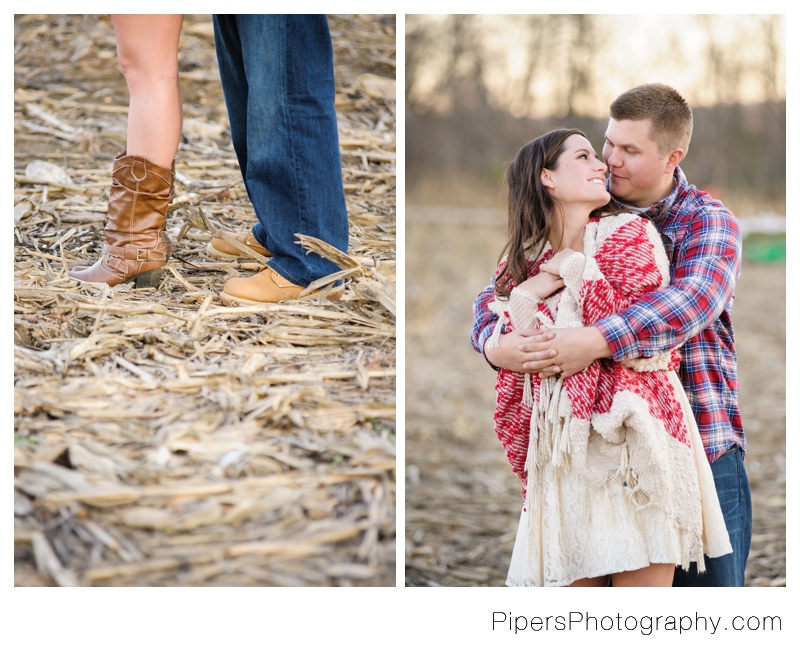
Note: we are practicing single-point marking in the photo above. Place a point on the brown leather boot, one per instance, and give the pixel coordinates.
(136, 245)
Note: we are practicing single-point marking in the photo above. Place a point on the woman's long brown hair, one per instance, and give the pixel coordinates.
(530, 205)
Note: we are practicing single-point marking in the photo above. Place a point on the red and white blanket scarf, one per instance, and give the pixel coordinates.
(612, 419)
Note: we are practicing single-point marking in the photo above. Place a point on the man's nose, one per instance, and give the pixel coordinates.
(612, 158)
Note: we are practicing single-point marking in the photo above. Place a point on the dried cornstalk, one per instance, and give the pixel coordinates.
(162, 438)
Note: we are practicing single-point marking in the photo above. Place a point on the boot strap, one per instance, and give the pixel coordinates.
(117, 263)
(132, 254)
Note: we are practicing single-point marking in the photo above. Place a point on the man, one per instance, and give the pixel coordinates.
(277, 76)
(647, 137)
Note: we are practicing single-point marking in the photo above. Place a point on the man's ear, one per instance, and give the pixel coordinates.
(675, 157)
(546, 179)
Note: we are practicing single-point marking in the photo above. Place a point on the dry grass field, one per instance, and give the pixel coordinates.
(161, 438)
(462, 500)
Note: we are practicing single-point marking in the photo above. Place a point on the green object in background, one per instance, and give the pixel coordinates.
(765, 248)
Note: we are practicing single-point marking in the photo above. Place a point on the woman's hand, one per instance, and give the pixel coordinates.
(526, 350)
(543, 284)
(554, 264)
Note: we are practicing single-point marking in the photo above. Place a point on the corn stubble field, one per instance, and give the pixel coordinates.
(462, 499)
(162, 438)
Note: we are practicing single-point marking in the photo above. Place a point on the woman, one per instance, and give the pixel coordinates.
(616, 486)
(136, 246)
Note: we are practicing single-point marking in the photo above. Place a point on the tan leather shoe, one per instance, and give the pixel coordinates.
(266, 287)
(136, 245)
(221, 249)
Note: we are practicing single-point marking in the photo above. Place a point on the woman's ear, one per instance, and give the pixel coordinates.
(547, 179)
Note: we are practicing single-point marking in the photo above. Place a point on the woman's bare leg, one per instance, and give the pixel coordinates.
(656, 575)
(147, 50)
(599, 581)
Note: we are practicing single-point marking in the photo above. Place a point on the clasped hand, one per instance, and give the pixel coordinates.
(548, 352)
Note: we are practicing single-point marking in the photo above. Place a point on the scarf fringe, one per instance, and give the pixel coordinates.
(549, 433)
(497, 307)
(527, 391)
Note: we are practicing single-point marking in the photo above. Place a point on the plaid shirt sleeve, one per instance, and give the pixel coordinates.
(484, 320)
(706, 266)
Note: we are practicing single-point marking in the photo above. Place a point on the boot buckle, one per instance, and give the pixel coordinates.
(117, 263)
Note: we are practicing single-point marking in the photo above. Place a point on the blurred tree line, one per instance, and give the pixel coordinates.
(462, 126)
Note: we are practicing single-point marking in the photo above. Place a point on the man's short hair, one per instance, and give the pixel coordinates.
(670, 115)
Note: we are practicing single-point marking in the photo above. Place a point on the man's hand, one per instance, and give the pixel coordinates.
(577, 347)
(526, 350)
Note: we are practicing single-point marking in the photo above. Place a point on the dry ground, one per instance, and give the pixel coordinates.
(160, 437)
(462, 500)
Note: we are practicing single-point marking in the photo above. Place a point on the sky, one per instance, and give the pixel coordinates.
(631, 50)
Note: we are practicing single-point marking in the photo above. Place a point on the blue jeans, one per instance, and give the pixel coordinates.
(277, 76)
(733, 491)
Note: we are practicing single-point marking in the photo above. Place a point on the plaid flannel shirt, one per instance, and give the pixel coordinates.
(703, 245)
